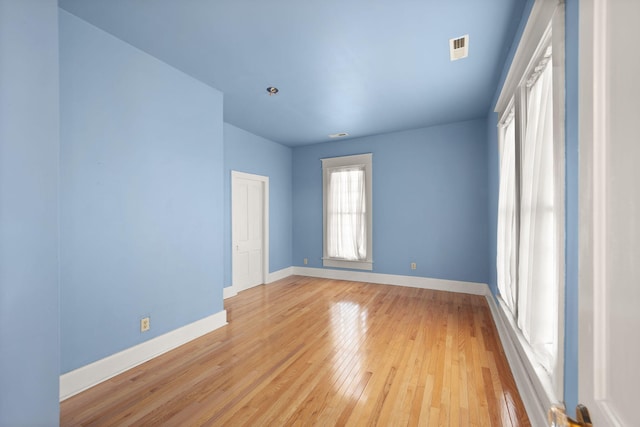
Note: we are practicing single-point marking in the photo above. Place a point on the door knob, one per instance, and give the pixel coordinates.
(558, 417)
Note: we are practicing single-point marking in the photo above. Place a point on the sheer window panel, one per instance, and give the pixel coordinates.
(506, 250)
(538, 285)
(346, 214)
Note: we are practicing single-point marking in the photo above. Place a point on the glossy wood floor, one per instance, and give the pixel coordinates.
(306, 351)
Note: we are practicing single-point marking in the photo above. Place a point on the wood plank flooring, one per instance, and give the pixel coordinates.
(306, 351)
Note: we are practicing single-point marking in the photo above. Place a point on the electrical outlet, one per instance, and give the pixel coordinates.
(413, 266)
(145, 324)
(306, 261)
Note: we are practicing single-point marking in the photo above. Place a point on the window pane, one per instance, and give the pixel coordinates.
(346, 214)
(539, 248)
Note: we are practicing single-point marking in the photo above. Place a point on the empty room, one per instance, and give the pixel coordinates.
(358, 212)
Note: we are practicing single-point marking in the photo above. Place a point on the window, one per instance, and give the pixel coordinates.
(530, 241)
(347, 212)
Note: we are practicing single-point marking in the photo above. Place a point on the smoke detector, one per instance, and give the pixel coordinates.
(459, 47)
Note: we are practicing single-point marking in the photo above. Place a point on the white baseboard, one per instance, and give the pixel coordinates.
(398, 280)
(232, 291)
(229, 291)
(87, 376)
(280, 274)
(521, 369)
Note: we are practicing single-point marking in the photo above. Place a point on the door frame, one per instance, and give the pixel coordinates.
(590, 175)
(264, 180)
(593, 142)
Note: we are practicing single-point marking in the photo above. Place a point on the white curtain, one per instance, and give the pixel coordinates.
(506, 253)
(346, 214)
(538, 286)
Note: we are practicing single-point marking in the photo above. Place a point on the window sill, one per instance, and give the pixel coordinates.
(547, 389)
(341, 263)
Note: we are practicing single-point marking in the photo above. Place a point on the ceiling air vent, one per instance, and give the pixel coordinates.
(338, 135)
(459, 47)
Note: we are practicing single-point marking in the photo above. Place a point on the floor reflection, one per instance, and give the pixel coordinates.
(349, 328)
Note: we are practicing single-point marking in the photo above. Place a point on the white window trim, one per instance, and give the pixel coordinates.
(546, 20)
(333, 162)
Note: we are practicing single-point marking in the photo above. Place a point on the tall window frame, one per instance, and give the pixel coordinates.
(360, 258)
(541, 46)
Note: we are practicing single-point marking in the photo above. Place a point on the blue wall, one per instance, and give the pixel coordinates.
(571, 188)
(29, 150)
(246, 152)
(429, 200)
(140, 185)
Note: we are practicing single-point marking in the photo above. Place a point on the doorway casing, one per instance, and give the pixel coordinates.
(236, 176)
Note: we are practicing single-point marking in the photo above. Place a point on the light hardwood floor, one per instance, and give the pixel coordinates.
(305, 351)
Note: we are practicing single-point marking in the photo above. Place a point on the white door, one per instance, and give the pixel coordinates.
(609, 293)
(249, 198)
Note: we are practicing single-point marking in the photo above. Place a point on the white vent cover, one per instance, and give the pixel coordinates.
(459, 47)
